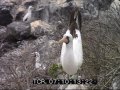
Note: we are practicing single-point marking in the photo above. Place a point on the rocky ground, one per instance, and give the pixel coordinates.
(20, 40)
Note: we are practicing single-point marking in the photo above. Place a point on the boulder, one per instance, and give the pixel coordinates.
(115, 5)
(5, 17)
(3, 33)
(18, 31)
(20, 13)
(28, 3)
(8, 2)
(40, 28)
(116, 83)
(100, 4)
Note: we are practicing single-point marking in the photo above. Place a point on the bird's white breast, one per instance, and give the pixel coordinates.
(69, 64)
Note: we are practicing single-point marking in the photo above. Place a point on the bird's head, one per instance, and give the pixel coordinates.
(67, 38)
(30, 8)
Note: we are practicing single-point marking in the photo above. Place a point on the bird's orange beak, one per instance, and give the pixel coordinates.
(64, 39)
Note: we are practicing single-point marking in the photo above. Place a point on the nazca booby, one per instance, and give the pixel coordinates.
(28, 15)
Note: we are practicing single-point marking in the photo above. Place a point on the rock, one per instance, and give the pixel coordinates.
(44, 14)
(8, 3)
(100, 4)
(40, 28)
(79, 3)
(19, 16)
(73, 87)
(52, 44)
(20, 13)
(115, 5)
(18, 31)
(41, 12)
(39, 23)
(76, 87)
(104, 4)
(28, 3)
(5, 17)
(38, 11)
(92, 8)
(59, 25)
(116, 83)
(3, 33)
(62, 87)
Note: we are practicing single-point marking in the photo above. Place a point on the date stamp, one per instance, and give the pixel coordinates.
(65, 81)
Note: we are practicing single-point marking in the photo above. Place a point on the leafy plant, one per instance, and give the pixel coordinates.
(53, 71)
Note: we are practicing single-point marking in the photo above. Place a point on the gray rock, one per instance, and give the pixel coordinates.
(5, 17)
(28, 3)
(42, 13)
(99, 4)
(19, 16)
(18, 31)
(92, 8)
(40, 28)
(3, 33)
(116, 83)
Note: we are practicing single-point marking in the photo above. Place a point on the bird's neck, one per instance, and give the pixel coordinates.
(69, 45)
(29, 11)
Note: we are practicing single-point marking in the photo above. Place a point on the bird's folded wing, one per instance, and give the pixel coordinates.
(77, 48)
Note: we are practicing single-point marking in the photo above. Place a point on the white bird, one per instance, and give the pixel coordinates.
(28, 15)
(37, 63)
(71, 53)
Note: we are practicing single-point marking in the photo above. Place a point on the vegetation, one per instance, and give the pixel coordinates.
(54, 69)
